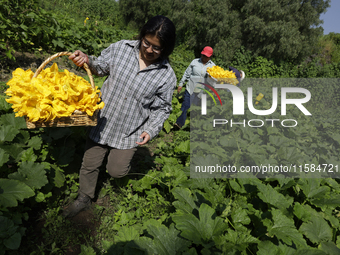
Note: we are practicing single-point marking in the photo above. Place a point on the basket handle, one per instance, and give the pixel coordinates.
(65, 53)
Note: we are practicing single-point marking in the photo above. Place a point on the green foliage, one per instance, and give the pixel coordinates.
(200, 23)
(164, 211)
(28, 27)
(160, 209)
(10, 234)
(175, 113)
(242, 58)
(201, 230)
(278, 30)
(329, 48)
(30, 173)
(282, 30)
(101, 12)
(262, 68)
(30, 167)
(136, 13)
(12, 191)
(180, 60)
(13, 23)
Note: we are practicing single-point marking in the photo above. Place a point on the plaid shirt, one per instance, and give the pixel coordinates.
(135, 101)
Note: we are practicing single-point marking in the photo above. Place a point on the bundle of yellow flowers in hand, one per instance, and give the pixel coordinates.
(222, 76)
(52, 94)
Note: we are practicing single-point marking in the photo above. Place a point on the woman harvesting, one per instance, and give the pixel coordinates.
(137, 95)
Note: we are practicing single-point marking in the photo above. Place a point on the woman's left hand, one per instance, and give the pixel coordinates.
(145, 136)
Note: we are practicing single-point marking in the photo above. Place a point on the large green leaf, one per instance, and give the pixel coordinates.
(269, 195)
(35, 142)
(304, 212)
(11, 120)
(58, 176)
(4, 105)
(269, 248)
(200, 230)
(3, 157)
(13, 149)
(284, 229)
(85, 250)
(126, 234)
(240, 216)
(318, 194)
(9, 233)
(236, 240)
(289, 153)
(28, 155)
(7, 133)
(183, 147)
(165, 240)
(167, 126)
(7, 227)
(186, 200)
(32, 174)
(312, 189)
(330, 200)
(13, 190)
(237, 187)
(13, 242)
(175, 174)
(317, 230)
(329, 247)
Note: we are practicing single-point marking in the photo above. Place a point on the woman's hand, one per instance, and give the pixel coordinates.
(179, 89)
(145, 136)
(79, 58)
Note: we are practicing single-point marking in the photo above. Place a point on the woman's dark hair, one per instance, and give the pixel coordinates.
(164, 29)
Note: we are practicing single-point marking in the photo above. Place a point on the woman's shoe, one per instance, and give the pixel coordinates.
(82, 202)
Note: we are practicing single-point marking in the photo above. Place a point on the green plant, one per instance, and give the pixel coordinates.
(159, 208)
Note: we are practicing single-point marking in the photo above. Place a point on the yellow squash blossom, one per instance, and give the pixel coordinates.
(51, 95)
(87, 18)
(222, 76)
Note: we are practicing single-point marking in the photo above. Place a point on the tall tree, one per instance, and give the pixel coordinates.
(137, 13)
(198, 22)
(214, 23)
(281, 29)
(276, 29)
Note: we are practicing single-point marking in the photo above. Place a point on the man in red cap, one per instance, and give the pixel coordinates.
(207, 51)
(196, 72)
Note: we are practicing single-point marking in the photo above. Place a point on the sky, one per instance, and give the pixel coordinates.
(331, 19)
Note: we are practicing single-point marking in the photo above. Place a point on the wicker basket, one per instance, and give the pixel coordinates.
(77, 118)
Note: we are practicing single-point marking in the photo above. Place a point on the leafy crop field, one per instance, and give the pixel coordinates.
(158, 208)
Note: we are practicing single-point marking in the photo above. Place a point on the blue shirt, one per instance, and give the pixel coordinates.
(196, 72)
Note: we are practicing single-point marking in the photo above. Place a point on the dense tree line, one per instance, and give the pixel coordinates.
(282, 30)
(264, 37)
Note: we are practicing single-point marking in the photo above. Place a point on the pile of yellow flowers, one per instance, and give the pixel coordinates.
(52, 94)
(222, 76)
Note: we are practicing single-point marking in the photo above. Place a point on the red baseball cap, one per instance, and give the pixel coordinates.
(207, 51)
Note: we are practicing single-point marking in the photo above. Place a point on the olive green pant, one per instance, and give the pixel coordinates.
(118, 164)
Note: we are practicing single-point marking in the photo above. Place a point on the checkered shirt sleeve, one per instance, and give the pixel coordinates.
(135, 100)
